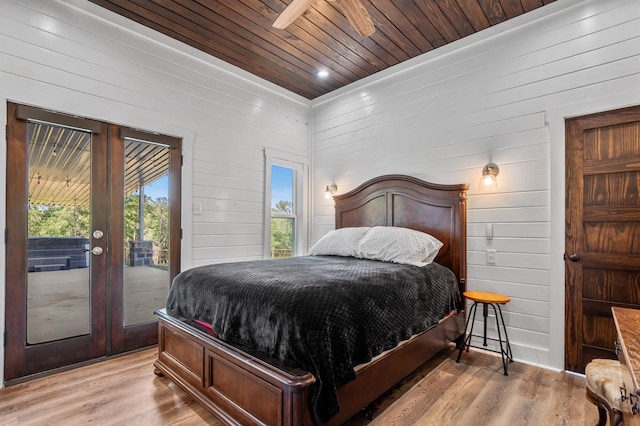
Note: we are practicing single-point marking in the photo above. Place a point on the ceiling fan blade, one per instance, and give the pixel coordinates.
(357, 16)
(292, 12)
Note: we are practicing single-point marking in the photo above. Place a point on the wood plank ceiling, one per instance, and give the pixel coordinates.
(240, 32)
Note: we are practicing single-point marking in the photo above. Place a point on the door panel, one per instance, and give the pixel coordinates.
(59, 273)
(146, 266)
(149, 170)
(70, 297)
(34, 342)
(602, 239)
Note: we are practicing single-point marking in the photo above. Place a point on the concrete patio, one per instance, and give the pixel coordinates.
(58, 301)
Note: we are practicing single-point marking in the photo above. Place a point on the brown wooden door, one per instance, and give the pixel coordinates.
(83, 274)
(602, 239)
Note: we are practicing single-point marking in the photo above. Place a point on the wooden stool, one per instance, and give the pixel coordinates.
(494, 300)
(604, 379)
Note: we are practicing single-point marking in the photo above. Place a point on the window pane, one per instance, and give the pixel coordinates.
(59, 218)
(146, 230)
(282, 205)
(282, 189)
(282, 236)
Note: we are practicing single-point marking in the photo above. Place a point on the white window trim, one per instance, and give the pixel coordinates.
(301, 165)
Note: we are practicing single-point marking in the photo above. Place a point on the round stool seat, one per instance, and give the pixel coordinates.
(486, 297)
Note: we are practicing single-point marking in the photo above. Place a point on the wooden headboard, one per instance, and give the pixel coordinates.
(408, 202)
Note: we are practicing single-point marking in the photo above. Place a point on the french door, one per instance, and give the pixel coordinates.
(93, 238)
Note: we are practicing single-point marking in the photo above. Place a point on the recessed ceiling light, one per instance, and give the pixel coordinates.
(322, 73)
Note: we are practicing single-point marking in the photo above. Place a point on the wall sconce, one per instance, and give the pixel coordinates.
(329, 190)
(489, 176)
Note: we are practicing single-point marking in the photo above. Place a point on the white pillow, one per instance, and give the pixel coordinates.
(339, 242)
(398, 245)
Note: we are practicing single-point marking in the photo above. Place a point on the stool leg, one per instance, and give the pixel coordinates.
(484, 318)
(467, 339)
(504, 327)
(505, 354)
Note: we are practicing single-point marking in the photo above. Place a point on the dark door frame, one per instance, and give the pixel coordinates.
(108, 334)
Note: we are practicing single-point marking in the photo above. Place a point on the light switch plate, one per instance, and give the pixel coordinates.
(489, 231)
(491, 257)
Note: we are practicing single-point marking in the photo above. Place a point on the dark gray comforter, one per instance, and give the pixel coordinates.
(324, 314)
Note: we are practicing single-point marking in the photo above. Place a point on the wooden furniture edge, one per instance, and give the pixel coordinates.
(451, 198)
(628, 351)
(194, 376)
(381, 374)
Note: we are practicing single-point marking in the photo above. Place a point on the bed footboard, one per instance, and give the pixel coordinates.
(242, 389)
(376, 377)
(236, 387)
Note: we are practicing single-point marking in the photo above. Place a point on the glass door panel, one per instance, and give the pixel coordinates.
(92, 216)
(146, 230)
(59, 220)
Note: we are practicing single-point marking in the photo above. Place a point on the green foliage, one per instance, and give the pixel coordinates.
(282, 231)
(156, 224)
(156, 220)
(59, 221)
(74, 221)
(131, 218)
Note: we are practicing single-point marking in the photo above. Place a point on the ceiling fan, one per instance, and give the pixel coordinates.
(353, 10)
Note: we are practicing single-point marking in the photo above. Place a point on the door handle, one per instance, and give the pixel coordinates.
(97, 251)
(574, 257)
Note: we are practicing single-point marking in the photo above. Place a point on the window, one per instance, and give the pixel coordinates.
(285, 230)
(283, 216)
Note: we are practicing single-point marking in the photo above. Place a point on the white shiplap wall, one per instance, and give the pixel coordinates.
(501, 96)
(74, 57)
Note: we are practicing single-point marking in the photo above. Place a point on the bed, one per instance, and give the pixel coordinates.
(242, 385)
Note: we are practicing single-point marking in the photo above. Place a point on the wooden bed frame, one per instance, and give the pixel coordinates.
(241, 387)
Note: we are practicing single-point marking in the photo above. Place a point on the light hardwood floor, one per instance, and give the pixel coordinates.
(124, 391)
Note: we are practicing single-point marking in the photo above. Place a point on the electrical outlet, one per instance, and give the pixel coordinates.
(491, 257)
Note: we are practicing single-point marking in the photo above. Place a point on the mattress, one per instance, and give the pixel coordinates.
(324, 314)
